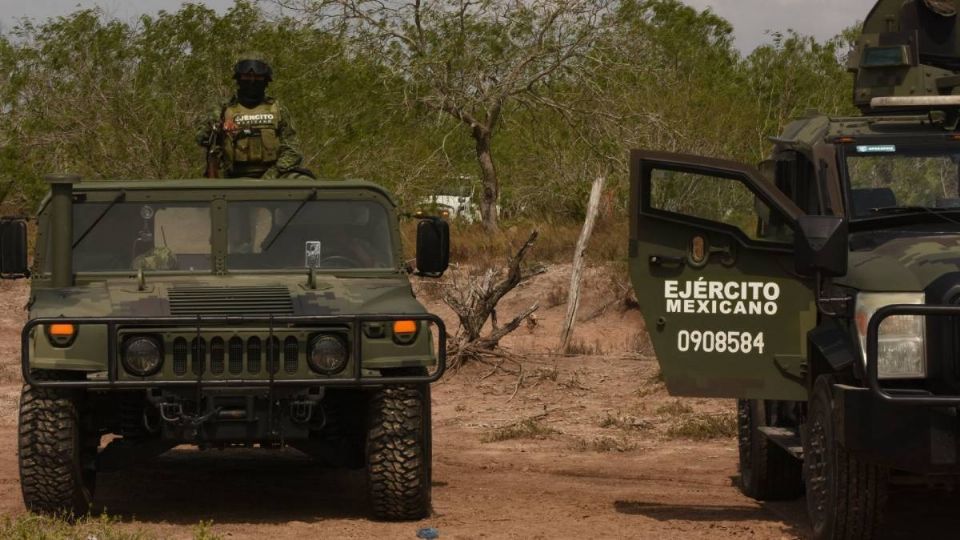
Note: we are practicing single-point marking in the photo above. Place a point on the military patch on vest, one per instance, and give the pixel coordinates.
(254, 120)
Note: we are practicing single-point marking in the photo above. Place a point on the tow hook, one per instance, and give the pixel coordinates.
(301, 412)
(172, 413)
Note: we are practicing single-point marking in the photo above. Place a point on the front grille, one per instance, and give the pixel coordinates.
(273, 355)
(291, 352)
(254, 350)
(248, 301)
(180, 351)
(217, 353)
(198, 355)
(239, 354)
(236, 355)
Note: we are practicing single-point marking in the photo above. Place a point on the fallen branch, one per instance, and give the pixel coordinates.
(475, 302)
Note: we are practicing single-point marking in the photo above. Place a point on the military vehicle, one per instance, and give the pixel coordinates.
(822, 288)
(234, 313)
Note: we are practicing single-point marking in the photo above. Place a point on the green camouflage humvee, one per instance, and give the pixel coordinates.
(822, 289)
(220, 314)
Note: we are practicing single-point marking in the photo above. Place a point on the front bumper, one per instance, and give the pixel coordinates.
(915, 439)
(912, 430)
(355, 375)
(916, 398)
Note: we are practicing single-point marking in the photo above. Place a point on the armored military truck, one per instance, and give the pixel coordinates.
(822, 288)
(235, 313)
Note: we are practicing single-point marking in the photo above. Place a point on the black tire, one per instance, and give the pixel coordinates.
(57, 457)
(845, 495)
(767, 472)
(399, 452)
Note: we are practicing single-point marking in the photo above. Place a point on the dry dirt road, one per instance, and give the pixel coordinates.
(588, 446)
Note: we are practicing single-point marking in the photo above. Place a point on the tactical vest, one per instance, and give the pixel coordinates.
(251, 142)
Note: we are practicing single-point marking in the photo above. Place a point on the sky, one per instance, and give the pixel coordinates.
(751, 19)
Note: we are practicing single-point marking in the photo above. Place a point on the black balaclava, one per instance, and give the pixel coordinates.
(251, 93)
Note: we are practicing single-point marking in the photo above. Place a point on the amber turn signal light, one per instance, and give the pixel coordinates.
(404, 331)
(62, 330)
(61, 334)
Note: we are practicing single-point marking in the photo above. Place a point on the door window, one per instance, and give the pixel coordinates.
(718, 199)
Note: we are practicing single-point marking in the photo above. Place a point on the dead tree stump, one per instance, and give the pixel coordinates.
(576, 273)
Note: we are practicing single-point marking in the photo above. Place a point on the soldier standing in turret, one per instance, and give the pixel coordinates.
(252, 135)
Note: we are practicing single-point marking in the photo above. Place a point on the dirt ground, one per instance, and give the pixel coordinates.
(586, 446)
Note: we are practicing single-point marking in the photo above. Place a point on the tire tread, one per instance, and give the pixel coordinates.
(49, 457)
(398, 453)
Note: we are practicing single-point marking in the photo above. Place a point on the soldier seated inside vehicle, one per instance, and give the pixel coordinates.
(157, 237)
(329, 235)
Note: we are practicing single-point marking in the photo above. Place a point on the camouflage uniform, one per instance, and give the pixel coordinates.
(252, 134)
(158, 258)
(258, 142)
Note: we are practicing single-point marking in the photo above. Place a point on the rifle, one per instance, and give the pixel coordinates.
(213, 152)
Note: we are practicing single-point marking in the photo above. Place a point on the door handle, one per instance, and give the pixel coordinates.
(664, 260)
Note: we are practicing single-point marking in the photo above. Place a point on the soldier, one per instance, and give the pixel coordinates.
(251, 136)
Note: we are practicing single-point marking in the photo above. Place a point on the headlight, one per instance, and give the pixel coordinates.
(901, 350)
(328, 354)
(142, 356)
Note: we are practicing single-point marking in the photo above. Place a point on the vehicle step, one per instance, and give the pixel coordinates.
(786, 438)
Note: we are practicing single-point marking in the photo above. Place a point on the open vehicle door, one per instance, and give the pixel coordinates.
(711, 260)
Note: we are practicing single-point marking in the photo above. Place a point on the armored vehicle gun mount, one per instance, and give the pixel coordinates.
(908, 58)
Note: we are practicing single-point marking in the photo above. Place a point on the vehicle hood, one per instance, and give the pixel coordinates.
(901, 263)
(256, 296)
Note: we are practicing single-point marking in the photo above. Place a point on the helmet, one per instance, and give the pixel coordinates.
(252, 63)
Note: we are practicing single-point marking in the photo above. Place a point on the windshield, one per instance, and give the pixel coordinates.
(267, 235)
(885, 179)
(130, 236)
(261, 235)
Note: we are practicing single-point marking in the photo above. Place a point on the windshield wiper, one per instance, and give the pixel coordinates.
(121, 196)
(897, 210)
(312, 196)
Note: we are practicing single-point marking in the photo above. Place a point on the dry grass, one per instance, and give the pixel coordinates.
(649, 390)
(557, 295)
(624, 422)
(651, 385)
(29, 526)
(579, 347)
(470, 243)
(604, 444)
(674, 408)
(702, 428)
(574, 382)
(639, 343)
(551, 374)
(529, 428)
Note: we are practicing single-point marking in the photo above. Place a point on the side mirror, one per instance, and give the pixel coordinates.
(433, 246)
(821, 245)
(13, 249)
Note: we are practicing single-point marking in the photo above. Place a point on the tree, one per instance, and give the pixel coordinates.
(794, 74)
(469, 59)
